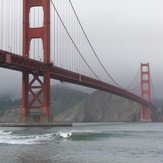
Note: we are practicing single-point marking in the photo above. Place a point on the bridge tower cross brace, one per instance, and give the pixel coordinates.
(145, 92)
(44, 86)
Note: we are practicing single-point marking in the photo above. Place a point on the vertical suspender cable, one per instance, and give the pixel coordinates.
(33, 49)
(153, 90)
(57, 42)
(15, 22)
(77, 64)
(69, 43)
(17, 27)
(66, 38)
(72, 24)
(54, 37)
(73, 40)
(39, 50)
(20, 12)
(62, 40)
(73, 46)
(92, 46)
(72, 32)
(1, 26)
(71, 27)
(134, 79)
(60, 36)
(13, 30)
(7, 25)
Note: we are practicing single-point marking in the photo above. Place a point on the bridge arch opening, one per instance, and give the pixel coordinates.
(36, 17)
(36, 49)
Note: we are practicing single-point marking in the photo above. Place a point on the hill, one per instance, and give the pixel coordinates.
(102, 107)
(62, 98)
(72, 105)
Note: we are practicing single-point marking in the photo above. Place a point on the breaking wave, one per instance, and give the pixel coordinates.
(82, 135)
(8, 138)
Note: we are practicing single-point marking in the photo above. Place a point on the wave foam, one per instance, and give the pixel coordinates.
(31, 139)
(5, 133)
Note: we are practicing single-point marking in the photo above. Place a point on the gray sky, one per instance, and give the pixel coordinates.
(124, 33)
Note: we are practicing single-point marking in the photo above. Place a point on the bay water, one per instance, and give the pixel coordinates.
(83, 143)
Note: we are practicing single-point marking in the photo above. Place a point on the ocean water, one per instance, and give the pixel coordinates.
(84, 143)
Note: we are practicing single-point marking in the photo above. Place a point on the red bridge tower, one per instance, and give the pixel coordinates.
(145, 92)
(39, 99)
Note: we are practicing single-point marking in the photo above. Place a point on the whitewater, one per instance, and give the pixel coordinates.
(84, 143)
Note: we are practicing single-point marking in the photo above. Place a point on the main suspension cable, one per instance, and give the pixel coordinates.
(134, 79)
(91, 45)
(153, 90)
(73, 40)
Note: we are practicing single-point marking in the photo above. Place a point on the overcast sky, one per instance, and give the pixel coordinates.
(124, 33)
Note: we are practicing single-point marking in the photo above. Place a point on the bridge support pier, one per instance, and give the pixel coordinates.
(31, 119)
(145, 114)
(36, 96)
(145, 93)
(36, 92)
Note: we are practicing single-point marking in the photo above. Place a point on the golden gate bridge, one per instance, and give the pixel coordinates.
(46, 40)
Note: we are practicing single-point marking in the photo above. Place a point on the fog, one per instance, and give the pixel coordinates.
(123, 33)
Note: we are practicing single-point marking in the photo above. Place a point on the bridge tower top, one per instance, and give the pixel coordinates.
(145, 82)
(40, 32)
